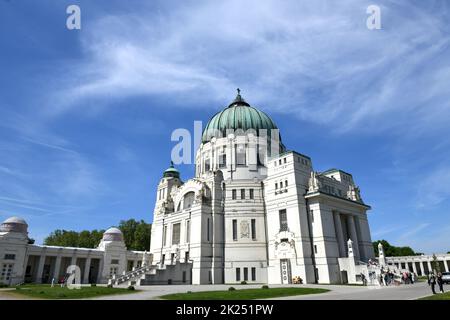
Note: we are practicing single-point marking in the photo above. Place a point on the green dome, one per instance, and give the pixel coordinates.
(171, 172)
(238, 115)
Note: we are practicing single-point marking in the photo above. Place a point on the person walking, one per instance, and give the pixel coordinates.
(440, 282)
(433, 283)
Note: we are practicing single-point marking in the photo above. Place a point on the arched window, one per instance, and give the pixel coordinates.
(188, 200)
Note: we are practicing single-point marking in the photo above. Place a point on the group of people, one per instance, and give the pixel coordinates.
(433, 280)
(388, 277)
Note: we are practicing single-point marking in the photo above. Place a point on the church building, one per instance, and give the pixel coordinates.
(255, 211)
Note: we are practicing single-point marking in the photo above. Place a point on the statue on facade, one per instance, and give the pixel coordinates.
(350, 247)
(314, 182)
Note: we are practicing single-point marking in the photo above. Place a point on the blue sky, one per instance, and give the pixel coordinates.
(86, 115)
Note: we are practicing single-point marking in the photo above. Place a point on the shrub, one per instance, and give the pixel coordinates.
(244, 282)
(189, 292)
(130, 288)
(265, 287)
(2, 285)
(231, 288)
(93, 284)
(110, 285)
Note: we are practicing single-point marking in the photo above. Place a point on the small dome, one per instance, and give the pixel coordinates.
(171, 172)
(14, 224)
(113, 234)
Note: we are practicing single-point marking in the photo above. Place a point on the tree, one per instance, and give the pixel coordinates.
(136, 235)
(393, 251)
(64, 238)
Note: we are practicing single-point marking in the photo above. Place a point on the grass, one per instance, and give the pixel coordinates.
(438, 296)
(47, 292)
(243, 294)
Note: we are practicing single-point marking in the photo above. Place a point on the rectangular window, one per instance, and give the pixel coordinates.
(233, 194)
(251, 194)
(114, 261)
(312, 215)
(253, 229)
(10, 256)
(315, 249)
(207, 164)
(222, 160)
(284, 160)
(281, 184)
(6, 271)
(279, 162)
(234, 229)
(176, 233)
(164, 235)
(112, 271)
(285, 184)
(163, 259)
(276, 186)
(242, 194)
(184, 277)
(245, 274)
(283, 220)
(188, 231)
(172, 258)
(238, 274)
(240, 155)
(253, 274)
(207, 229)
(186, 256)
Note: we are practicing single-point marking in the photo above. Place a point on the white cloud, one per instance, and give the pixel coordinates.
(434, 188)
(313, 59)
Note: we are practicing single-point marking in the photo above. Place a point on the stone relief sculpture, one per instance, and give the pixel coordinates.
(245, 230)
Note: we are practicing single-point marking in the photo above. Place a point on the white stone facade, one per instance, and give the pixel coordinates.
(22, 262)
(259, 221)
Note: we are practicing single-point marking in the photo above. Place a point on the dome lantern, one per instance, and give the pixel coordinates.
(171, 172)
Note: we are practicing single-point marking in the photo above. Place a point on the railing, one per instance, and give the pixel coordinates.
(130, 275)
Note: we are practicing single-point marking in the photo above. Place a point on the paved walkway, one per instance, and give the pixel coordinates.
(338, 292)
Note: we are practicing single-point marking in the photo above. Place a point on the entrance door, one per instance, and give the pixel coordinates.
(285, 268)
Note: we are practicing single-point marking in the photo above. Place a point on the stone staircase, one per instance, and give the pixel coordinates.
(132, 277)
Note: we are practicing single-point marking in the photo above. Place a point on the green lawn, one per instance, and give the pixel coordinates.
(438, 296)
(47, 292)
(243, 294)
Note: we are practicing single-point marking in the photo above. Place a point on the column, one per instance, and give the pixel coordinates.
(40, 269)
(87, 267)
(73, 261)
(339, 233)
(57, 268)
(414, 267)
(430, 268)
(353, 236)
(422, 272)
